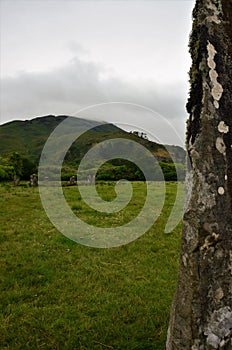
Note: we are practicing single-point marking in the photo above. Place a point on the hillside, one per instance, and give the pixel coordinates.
(29, 137)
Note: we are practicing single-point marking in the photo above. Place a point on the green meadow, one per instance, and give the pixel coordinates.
(58, 294)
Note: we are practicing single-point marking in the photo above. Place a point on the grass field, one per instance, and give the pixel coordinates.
(57, 294)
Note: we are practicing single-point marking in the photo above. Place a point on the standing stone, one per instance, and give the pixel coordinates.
(201, 317)
(16, 180)
(72, 181)
(33, 181)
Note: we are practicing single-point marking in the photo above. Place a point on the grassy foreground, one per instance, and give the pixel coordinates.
(57, 294)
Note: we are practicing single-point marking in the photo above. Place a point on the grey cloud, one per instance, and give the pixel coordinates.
(79, 84)
(76, 48)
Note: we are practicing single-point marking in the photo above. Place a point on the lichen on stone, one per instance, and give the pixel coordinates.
(219, 294)
(223, 128)
(214, 17)
(204, 196)
(219, 328)
(217, 88)
(220, 145)
(221, 190)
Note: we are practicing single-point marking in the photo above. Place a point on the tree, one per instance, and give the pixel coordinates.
(28, 168)
(7, 171)
(15, 159)
(201, 317)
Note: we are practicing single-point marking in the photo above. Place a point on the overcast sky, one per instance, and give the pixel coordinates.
(58, 57)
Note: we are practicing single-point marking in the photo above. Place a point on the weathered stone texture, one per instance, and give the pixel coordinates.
(201, 317)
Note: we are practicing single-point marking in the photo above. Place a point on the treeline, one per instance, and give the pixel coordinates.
(118, 169)
(167, 171)
(21, 167)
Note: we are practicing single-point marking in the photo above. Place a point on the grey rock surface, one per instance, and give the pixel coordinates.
(201, 316)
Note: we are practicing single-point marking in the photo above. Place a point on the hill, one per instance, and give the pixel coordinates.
(29, 137)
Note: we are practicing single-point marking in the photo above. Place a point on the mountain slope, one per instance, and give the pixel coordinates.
(28, 138)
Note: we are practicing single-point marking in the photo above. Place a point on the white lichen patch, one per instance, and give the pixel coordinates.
(206, 244)
(191, 235)
(211, 63)
(215, 13)
(220, 254)
(213, 74)
(215, 236)
(220, 145)
(197, 345)
(219, 328)
(221, 191)
(226, 177)
(211, 53)
(204, 196)
(219, 295)
(222, 127)
(217, 89)
(185, 260)
(209, 241)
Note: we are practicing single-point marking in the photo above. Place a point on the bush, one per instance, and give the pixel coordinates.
(7, 172)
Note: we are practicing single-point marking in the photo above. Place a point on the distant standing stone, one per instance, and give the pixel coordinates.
(72, 181)
(33, 181)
